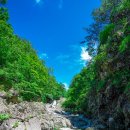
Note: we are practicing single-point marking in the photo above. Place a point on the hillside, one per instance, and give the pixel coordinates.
(98, 97)
(21, 69)
(102, 89)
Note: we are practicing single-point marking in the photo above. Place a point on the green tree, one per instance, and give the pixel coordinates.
(21, 68)
(3, 1)
(101, 17)
(107, 77)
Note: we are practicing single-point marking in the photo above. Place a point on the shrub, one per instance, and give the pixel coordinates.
(123, 6)
(16, 124)
(125, 43)
(4, 117)
(105, 33)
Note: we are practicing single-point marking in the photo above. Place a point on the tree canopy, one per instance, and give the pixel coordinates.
(109, 69)
(21, 68)
(101, 17)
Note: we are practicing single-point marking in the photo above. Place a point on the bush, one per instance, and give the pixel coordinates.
(105, 33)
(123, 6)
(125, 43)
(4, 117)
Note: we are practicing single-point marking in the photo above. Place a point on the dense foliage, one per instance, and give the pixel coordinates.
(109, 69)
(21, 68)
(101, 17)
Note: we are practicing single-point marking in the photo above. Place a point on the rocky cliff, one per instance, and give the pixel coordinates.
(110, 105)
(38, 116)
(29, 116)
(102, 89)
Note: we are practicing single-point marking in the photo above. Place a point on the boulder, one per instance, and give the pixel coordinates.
(33, 124)
(3, 106)
(90, 128)
(16, 124)
(111, 123)
(126, 112)
(3, 94)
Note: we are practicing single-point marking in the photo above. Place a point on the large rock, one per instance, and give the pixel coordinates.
(3, 94)
(33, 124)
(51, 121)
(3, 106)
(26, 110)
(16, 124)
(32, 116)
(24, 116)
(90, 128)
(53, 118)
(38, 116)
(126, 112)
(111, 123)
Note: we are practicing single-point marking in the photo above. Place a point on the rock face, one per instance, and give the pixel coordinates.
(38, 116)
(113, 114)
(16, 124)
(31, 116)
(23, 116)
(110, 105)
(3, 107)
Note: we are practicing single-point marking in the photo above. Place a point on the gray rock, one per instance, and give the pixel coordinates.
(16, 124)
(100, 127)
(90, 128)
(126, 112)
(111, 123)
(3, 94)
(33, 124)
(36, 116)
(3, 107)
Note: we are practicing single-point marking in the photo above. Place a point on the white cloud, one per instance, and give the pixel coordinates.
(38, 1)
(84, 55)
(43, 56)
(66, 86)
(80, 55)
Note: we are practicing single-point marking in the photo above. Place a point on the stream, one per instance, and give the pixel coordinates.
(78, 121)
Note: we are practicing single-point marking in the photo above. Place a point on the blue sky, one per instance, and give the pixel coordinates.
(55, 29)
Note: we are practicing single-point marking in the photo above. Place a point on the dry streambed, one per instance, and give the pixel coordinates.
(36, 116)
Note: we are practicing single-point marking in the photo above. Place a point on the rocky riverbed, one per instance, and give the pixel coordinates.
(39, 116)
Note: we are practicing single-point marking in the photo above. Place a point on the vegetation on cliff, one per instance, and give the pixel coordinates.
(21, 68)
(102, 89)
